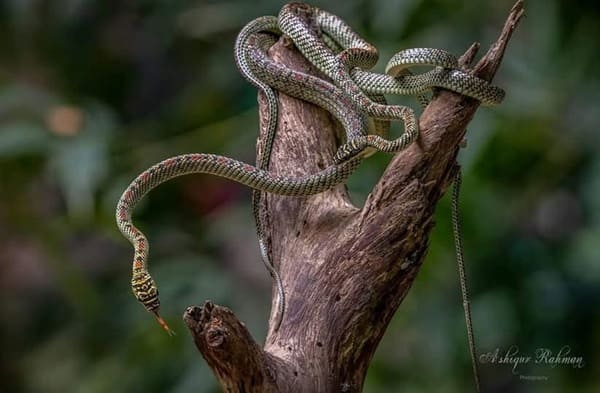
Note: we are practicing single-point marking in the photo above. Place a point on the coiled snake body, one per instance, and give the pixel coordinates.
(354, 97)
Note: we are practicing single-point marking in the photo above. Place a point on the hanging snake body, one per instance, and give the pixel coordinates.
(354, 97)
(263, 155)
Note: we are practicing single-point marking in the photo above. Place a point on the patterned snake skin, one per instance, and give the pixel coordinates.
(263, 156)
(347, 70)
(354, 98)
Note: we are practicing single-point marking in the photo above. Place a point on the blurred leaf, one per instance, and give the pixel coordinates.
(80, 163)
(22, 138)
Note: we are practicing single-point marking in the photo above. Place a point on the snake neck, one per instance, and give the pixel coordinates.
(140, 255)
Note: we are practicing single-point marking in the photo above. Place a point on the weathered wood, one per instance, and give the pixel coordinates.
(345, 270)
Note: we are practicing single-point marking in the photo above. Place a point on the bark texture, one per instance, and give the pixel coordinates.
(345, 270)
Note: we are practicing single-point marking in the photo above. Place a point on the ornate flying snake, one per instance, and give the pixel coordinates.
(351, 93)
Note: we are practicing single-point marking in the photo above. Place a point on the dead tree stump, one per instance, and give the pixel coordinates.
(345, 269)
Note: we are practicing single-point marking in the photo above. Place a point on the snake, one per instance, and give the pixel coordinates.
(292, 82)
(349, 70)
(143, 285)
(265, 146)
(339, 37)
(349, 91)
(462, 276)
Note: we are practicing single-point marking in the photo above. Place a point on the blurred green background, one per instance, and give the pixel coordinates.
(93, 92)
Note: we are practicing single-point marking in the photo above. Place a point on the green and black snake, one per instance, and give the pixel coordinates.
(354, 97)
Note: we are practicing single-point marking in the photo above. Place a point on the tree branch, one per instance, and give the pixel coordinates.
(345, 270)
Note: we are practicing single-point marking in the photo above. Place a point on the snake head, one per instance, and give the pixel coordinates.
(145, 290)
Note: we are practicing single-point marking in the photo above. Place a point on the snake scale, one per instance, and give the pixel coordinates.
(351, 92)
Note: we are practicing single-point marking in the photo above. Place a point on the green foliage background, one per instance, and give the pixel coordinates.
(136, 82)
